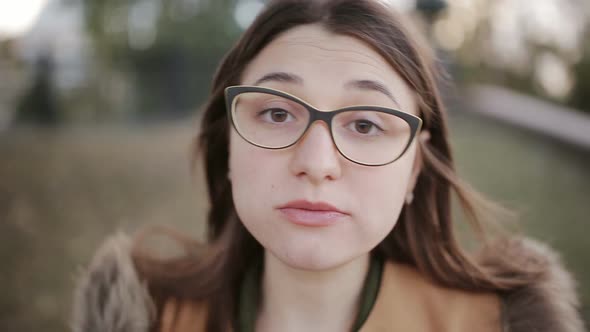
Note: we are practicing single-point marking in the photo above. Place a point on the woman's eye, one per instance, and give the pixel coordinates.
(365, 127)
(276, 115)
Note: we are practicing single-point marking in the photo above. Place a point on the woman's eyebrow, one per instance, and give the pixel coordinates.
(280, 77)
(373, 86)
(357, 84)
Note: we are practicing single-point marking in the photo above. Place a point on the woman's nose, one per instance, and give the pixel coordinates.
(315, 156)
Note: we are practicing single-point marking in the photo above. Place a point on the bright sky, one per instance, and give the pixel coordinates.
(16, 17)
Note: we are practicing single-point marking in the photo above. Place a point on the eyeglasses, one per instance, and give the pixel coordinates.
(366, 135)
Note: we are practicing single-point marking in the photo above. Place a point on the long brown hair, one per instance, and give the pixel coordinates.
(423, 236)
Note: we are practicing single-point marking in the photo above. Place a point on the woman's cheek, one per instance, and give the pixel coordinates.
(252, 178)
(381, 195)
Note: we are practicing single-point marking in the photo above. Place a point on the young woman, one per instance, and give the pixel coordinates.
(330, 179)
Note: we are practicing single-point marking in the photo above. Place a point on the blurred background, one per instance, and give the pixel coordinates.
(99, 102)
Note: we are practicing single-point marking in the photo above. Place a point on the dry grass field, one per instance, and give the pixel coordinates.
(62, 192)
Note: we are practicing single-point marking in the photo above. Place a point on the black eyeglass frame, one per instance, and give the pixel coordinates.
(231, 92)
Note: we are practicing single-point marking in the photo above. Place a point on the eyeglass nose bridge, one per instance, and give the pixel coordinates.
(322, 116)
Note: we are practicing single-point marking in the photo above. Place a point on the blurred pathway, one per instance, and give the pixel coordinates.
(546, 118)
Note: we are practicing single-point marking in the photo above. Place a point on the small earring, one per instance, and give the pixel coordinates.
(409, 198)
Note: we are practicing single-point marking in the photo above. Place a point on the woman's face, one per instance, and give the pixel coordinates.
(274, 190)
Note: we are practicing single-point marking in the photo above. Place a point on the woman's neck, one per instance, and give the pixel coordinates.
(303, 300)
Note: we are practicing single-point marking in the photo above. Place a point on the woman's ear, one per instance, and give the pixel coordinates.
(423, 138)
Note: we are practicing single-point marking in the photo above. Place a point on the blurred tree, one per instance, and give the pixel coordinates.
(166, 49)
(580, 98)
(430, 8)
(177, 69)
(39, 104)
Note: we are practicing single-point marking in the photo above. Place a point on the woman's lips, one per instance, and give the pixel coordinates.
(313, 218)
(305, 213)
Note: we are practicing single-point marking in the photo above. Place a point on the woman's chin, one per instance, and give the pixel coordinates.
(310, 260)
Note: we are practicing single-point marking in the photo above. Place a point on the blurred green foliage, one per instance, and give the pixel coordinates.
(171, 73)
(155, 58)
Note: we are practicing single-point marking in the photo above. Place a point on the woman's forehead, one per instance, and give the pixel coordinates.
(327, 62)
(311, 44)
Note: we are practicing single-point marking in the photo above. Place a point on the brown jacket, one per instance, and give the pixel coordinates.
(110, 298)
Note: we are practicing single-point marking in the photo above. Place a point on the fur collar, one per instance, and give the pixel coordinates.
(550, 304)
(110, 297)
